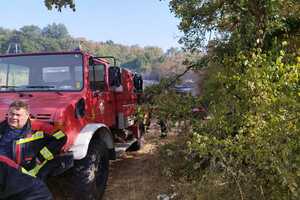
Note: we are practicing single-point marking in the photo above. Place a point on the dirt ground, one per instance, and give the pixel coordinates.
(136, 175)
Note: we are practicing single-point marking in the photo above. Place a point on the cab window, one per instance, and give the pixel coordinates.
(96, 77)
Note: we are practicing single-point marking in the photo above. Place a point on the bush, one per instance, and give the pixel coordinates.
(249, 148)
(253, 138)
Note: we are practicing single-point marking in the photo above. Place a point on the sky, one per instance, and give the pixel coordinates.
(127, 22)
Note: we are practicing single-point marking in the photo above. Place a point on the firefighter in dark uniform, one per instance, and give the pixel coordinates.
(25, 155)
(163, 128)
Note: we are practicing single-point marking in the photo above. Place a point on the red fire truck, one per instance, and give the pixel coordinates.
(82, 95)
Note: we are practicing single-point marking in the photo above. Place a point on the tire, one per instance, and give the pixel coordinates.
(91, 173)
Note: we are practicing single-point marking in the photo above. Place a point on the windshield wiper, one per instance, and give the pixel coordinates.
(8, 87)
(44, 86)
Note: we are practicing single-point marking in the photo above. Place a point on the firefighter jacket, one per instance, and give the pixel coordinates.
(15, 185)
(34, 148)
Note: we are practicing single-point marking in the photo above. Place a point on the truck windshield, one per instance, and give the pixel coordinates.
(62, 72)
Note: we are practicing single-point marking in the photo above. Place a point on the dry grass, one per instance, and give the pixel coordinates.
(136, 175)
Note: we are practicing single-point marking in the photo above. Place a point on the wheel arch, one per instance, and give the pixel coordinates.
(95, 131)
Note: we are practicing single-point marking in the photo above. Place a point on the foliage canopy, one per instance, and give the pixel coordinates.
(252, 59)
(59, 4)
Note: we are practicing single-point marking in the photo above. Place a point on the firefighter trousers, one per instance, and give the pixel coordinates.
(15, 185)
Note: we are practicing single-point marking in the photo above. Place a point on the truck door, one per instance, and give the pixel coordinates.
(103, 99)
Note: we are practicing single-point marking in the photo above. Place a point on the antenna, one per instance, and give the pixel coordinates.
(14, 46)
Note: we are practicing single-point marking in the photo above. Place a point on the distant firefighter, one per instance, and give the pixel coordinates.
(163, 128)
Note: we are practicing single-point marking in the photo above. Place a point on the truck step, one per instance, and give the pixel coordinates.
(121, 148)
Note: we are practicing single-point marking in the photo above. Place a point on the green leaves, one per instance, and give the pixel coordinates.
(59, 4)
(252, 88)
(252, 138)
(241, 24)
(256, 121)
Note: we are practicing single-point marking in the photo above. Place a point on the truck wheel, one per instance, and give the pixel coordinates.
(91, 173)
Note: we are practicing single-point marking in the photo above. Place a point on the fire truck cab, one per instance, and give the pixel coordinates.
(93, 103)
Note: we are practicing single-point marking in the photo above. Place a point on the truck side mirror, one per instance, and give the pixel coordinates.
(114, 76)
(138, 82)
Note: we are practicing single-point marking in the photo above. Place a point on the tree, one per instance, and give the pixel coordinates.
(55, 37)
(246, 22)
(31, 37)
(4, 37)
(251, 142)
(56, 31)
(31, 31)
(59, 4)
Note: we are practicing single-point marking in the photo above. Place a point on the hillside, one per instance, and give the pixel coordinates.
(55, 37)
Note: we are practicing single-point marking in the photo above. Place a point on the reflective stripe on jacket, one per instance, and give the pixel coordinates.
(35, 148)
